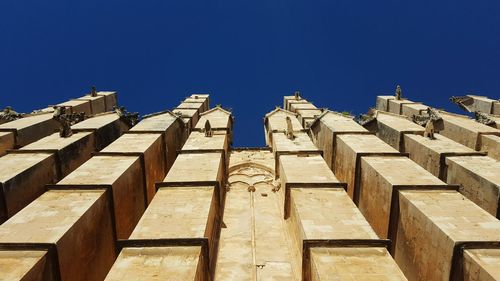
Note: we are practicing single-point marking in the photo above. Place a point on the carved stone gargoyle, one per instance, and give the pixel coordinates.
(398, 93)
(66, 120)
(208, 129)
(129, 118)
(8, 114)
(432, 122)
(364, 119)
(289, 129)
(463, 102)
(484, 118)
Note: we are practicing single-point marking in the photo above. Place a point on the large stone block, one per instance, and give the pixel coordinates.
(320, 217)
(391, 129)
(411, 109)
(288, 100)
(22, 179)
(396, 106)
(432, 226)
(381, 177)
(325, 130)
(479, 180)
(481, 265)
(123, 177)
(465, 131)
(29, 129)
(210, 170)
(348, 152)
(303, 170)
(219, 119)
(382, 102)
(25, 265)
(75, 228)
(160, 263)
(106, 128)
(491, 145)
(190, 214)
(356, 263)
(151, 149)
(307, 116)
(204, 102)
(78, 106)
(432, 153)
(110, 99)
(70, 152)
(7, 141)
(192, 114)
(301, 106)
(172, 128)
(97, 103)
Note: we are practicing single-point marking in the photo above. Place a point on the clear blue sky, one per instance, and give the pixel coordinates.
(248, 54)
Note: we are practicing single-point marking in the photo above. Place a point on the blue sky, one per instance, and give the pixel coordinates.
(248, 54)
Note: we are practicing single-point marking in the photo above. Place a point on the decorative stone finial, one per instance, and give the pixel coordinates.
(297, 95)
(93, 92)
(398, 92)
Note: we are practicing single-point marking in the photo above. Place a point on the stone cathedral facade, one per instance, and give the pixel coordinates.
(406, 192)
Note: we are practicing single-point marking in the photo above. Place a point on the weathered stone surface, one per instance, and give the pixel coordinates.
(301, 144)
(25, 265)
(7, 141)
(431, 153)
(491, 145)
(301, 106)
(465, 131)
(70, 152)
(109, 98)
(482, 103)
(197, 99)
(29, 129)
(348, 152)
(323, 214)
(380, 177)
(275, 121)
(353, 264)
(121, 175)
(192, 214)
(479, 180)
(396, 106)
(411, 109)
(382, 102)
(152, 148)
(172, 129)
(430, 225)
(307, 116)
(22, 179)
(218, 118)
(77, 223)
(288, 105)
(192, 114)
(197, 141)
(78, 106)
(106, 127)
(326, 129)
(481, 265)
(159, 263)
(97, 103)
(392, 128)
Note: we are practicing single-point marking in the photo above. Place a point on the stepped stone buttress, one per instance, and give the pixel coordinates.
(328, 198)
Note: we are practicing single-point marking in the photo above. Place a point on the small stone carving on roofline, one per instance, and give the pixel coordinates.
(483, 118)
(129, 118)
(66, 120)
(289, 129)
(398, 92)
(429, 121)
(297, 95)
(208, 129)
(8, 114)
(93, 91)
